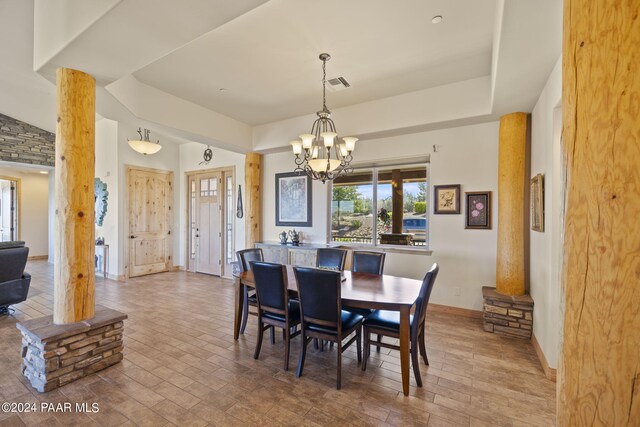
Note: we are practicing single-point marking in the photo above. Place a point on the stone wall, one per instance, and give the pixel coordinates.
(55, 355)
(507, 315)
(23, 143)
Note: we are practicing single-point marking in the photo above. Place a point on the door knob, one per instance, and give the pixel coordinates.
(132, 236)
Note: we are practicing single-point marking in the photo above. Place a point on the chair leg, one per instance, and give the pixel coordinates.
(416, 364)
(259, 342)
(331, 345)
(272, 333)
(359, 344)
(339, 379)
(423, 348)
(303, 354)
(283, 335)
(379, 339)
(315, 343)
(245, 310)
(287, 346)
(366, 349)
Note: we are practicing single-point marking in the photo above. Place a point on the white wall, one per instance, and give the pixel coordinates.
(545, 287)
(466, 155)
(190, 158)
(107, 171)
(34, 199)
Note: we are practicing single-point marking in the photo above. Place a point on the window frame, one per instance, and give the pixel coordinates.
(374, 171)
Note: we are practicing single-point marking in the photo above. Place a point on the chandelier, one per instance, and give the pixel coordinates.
(314, 152)
(144, 145)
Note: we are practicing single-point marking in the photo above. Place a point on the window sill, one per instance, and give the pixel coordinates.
(386, 248)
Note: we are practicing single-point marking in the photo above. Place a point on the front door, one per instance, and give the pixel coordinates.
(209, 195)
(150, 220)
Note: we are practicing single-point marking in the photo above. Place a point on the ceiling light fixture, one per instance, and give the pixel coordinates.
(313, 153)
(144, 145)
(436, 19)
(44, 172)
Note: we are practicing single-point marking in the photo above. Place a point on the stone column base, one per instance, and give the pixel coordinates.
(507, 315)
(54, 355)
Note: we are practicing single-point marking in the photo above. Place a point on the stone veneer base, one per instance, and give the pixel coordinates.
(54, 355)
(507, 315)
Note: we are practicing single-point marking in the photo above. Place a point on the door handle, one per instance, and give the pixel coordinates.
(132, 236)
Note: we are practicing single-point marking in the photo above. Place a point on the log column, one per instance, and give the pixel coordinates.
(396, 201)
(74, 272)
(253, 195)
(599, 372)
(510, 262)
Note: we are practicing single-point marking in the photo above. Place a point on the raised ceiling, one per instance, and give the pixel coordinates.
(267, 59)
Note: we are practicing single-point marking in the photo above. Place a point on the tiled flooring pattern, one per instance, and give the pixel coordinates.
(182, 367)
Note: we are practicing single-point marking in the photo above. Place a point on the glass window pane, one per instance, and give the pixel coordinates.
(401, 204)
(229, 219)
(352, 212)
(204, 187)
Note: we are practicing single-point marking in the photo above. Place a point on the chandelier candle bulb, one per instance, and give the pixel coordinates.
(307, 140)
(328, 138)
(350, 143)
(297, 147)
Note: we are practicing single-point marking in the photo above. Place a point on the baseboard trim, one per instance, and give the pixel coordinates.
(549, 372)
(37, 257)
(464, 312)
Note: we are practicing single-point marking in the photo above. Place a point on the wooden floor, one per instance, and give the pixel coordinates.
(182, 367)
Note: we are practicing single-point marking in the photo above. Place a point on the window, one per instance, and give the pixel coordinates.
(381, 206)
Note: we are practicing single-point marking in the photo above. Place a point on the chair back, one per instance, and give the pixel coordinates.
(245, 257)
(368, 262)
(331, 258)
(12, 263)
(271, 286)
(319, 292)
(424, 295)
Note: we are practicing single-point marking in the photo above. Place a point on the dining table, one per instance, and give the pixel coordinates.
(360, 290)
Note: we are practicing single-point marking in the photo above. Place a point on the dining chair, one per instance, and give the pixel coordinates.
(332, 258)
(368, 262)
(244, 261)
(275, 309)
(322, 316)
(387, 323)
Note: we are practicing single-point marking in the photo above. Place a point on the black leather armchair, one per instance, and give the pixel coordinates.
(14, 282)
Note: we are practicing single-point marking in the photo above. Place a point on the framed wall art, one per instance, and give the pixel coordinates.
(293, 199)
(537, 203)
(446, 199)
(478, 210)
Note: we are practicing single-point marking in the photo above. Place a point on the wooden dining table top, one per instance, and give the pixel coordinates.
(363, 290)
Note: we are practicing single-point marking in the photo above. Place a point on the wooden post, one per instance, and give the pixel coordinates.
(599, 372)
(396, 201)
(74, 272)
(510, 262)
(253, 195)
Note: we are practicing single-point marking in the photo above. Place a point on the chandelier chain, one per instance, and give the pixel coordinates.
(324, 85)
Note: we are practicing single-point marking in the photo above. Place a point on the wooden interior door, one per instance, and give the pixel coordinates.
(209, 196)
(150, 220)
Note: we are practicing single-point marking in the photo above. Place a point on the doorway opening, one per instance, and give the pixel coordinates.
(9, 209)
(210, 221)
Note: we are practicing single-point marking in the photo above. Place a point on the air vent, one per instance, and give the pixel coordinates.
(338, 83)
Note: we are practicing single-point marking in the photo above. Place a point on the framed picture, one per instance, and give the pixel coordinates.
(537, 203)
(446, 199)
(478, 214)
(293, 199)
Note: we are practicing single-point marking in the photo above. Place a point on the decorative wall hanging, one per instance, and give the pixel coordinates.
(207, 155)
(478, 210)
(239, 211)
(100, 198)
(293, 199)
(446, 199)
(537, 203)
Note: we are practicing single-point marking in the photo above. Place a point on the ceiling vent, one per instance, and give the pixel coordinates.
(338, 83)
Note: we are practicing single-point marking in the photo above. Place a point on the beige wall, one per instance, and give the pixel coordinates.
(33, 205)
